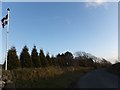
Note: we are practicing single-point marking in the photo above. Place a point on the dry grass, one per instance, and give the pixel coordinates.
(49, 77)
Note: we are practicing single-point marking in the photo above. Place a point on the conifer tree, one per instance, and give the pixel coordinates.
(53, 60)
(12, 60)
(25, 58)
(48, 60)
(42, 58)
(35, 58)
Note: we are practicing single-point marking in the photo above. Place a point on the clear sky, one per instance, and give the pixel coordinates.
(60, 27)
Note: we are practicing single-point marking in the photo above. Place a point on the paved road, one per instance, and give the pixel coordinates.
(98, 79)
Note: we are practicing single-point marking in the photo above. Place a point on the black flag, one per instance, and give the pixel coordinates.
(4, 21)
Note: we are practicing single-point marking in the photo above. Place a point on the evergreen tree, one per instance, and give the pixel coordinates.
(25, 58)
(48, 59)
(35, 58)
(12, 59)
(42, 58)
(56, 61)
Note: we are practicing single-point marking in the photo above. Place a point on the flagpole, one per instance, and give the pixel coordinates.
(7, 31)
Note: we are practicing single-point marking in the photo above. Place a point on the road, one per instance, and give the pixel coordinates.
(98, 79)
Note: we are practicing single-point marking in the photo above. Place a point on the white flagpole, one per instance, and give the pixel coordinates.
(7, 37)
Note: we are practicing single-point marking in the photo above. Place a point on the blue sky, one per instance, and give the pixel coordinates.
(60, 27)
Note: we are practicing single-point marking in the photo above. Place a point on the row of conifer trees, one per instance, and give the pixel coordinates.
(36, 60)
(25, 60)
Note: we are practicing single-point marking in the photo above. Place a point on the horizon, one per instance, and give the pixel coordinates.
(62, 27)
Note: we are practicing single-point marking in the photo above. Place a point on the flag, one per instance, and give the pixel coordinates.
(4, 21)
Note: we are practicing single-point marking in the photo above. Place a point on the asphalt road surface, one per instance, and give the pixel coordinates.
(98, 79)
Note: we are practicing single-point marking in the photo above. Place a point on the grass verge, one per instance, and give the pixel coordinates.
(51, 77)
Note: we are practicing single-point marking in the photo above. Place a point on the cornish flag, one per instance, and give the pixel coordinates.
(4, 21)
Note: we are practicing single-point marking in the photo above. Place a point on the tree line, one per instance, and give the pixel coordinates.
(36, 60)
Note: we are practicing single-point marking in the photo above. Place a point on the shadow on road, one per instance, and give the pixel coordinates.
(98, 79)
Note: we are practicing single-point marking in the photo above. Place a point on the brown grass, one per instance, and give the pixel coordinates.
(49, 77)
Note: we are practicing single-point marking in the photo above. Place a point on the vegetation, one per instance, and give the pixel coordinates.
(115, 68)
(25, 58)
(47, 77)
(13, 61)
(35, 58)
(42, 58)
(66, 59)
(40, 70)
